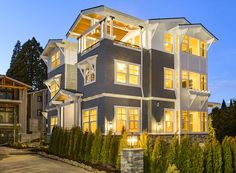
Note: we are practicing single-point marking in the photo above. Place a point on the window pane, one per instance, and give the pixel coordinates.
(194, 121)
(93, 126)
(204, 122)
(169, 78)
(194, 46)
(133, 119)
(185, 44)
(184, 79)
(134, 69)
(121, 67)
(121, 118)
(184, 121)
(85, 127)
(194, 81)
(133, 80)
(203, 49)
(121, 77)
(168, 42)
(203, 83)
(169, 120)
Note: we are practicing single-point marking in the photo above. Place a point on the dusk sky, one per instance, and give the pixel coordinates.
(46, 19)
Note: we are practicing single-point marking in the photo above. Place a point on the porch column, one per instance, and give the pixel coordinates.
(111, 27)
(102, 30)
(59, 115)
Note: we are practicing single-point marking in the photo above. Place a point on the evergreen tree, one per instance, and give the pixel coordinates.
(77, 142)
(27, 66)
(197, 158)
(223, 105)
(106, 148)
(208, 152)
(123, 144)
(172, 169)
(88, 146)
(227, 156)
(159, 157)
(113, 152)
(146, 143)
(83, 146)
(173, 153)
(96, 147)
(16, 51)
(185, 155)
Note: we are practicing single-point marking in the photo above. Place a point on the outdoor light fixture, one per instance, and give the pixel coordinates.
(132, 140)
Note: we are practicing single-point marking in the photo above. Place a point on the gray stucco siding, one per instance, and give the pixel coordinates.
(158, 108)
(160, 60)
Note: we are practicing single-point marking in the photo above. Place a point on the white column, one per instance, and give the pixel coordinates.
(59, 115)
(105, 28)
(141, 36)
(102, 30)
(111, 28)
(79, 112)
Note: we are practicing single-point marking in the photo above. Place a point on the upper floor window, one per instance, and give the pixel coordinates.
(169, 120)
(168, 42)
(127, 73)
(168, 78)
(56, 60)
(89, 73)
(54, 87)
(194, 46)
(89, 120)
(127, 118)
(195, 81)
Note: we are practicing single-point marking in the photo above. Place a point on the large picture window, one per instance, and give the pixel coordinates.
(127, 118)
(89, 120)
(194, 46)
(168, 78)
(127, 73)
(194, 81)
(56, 60)
(168, 42)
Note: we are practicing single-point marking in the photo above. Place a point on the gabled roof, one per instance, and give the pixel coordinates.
(16, 81)
(51, 44)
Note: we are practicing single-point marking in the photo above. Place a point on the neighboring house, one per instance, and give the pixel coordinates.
(13, 109)
(125, 72)
(36, 121)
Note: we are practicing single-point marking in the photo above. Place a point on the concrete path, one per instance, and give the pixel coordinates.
(21, 161)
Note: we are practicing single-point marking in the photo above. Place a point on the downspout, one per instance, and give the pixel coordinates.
(141, 79)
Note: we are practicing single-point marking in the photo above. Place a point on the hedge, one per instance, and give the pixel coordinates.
(183, 156)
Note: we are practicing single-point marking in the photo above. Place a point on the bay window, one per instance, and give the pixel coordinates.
(168, 78)
(56, 60)
(89, 120)
(168, 38)
(169, 120)
(127, 73)
(127, 118)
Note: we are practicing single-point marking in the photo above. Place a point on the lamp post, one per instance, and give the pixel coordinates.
(132, 140)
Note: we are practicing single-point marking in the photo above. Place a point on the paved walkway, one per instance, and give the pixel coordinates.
(20, 161)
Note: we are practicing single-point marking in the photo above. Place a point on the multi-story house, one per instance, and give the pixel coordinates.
(125, 72)
(13, 109)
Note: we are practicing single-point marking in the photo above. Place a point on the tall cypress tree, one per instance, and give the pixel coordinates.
(27, 66)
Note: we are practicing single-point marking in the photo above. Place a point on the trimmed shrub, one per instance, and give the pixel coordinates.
(146, 143)
(217, 156)
(53, 140)
(185, 155)
(96, 147)
(104, 157)
(159, 157)
(82, 146)
(123, 144)
(172, 169)
(208, 156)
(173, 152)
(197, 158)
(227, 156)
(113, 152)
(88, 146)
(77, 142)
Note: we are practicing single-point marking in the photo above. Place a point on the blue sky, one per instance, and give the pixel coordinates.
(44, 19)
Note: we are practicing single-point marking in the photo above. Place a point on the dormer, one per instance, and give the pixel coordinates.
(58, 52)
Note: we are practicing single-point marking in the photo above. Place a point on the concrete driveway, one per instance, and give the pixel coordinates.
(19, 161)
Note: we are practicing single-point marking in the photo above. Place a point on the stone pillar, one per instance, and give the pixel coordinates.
(132, 160)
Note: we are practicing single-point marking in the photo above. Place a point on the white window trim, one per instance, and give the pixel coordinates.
(174, 120)
(88, 109)
(127, 74)
(173, 70)
(173, 51)
(127, 121)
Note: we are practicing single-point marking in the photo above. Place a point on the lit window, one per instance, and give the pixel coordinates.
(89, 73)
(185, 44)
(55, 86)
(194, 81)
(90, 120)
(56, 60)
(168, 78)
(177, 121)
(169, 120)
(127, 73)
(157, 127)
(184, 79)
(194, 121)
(53, 122)
(184, 121)
(194, 46)
(168, 42)
(204, 121)
(203, 82)
(203, 49)
(127, 118)
(177, 43)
